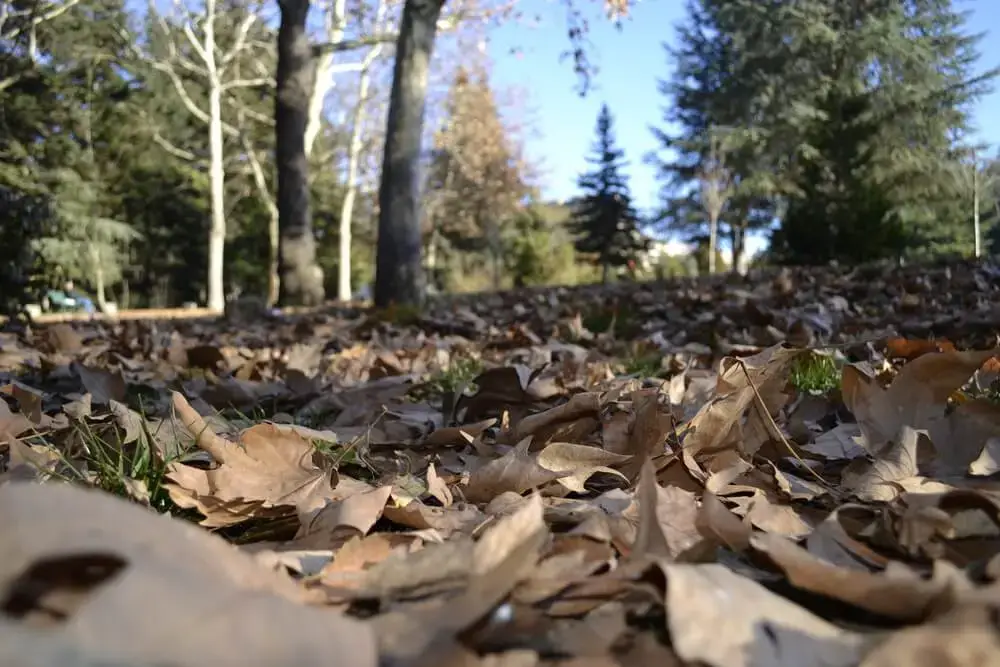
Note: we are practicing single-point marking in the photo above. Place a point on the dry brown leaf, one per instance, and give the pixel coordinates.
(898, 593)
(334, 523)
(650, 426)
(718, 618)
(12, 425)
(437, 488)
(916, 398)
(456, 518)
(716, 523)
(880, 480)
(267, 466)
(351, 562)
(457, 436)
(516, 471)
(579, 461)
(503, 557)
(965, 637)
(103, 385)
(667, 519)
(79, 568)
(715, 427)
(579, 406)
(842, 442)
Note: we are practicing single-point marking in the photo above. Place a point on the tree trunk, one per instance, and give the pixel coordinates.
(353, 164)
(323, 79)
(737, 238)
(99, 288)
(605, 270)
(398, 270)
(217, 184)
(713, 242)
(273, 234)
(301, 277)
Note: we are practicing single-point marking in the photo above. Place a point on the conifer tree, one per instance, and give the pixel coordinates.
(604, 219)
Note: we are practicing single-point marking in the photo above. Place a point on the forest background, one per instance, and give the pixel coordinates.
(143, 166)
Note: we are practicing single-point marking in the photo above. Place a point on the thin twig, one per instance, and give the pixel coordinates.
(769, 420)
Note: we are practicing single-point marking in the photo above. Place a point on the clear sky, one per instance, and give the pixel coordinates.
(630, 62)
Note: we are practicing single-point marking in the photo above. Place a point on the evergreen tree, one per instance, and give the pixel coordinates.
(712, 172)
(604, 220)
(849, 115)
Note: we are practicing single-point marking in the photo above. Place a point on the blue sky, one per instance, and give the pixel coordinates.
(630, 62)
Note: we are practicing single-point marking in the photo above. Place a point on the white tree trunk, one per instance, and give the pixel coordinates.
(217, 183)
(336, 25)
(344, 291)
(353, 164)
(216, 171)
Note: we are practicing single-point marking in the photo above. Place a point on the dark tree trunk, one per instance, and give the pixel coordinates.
(398, 267)
(301, 277)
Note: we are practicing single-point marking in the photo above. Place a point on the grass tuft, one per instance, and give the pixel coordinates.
(816, 374)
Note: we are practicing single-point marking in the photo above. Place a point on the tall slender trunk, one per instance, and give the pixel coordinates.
(99, 286)
(344, 291)
(737, 239)
(336, 25)
(301, 277)
(273, 236)
(975, 204)
(399, 274)
(217, 184)
(347, 206)
(713, 242)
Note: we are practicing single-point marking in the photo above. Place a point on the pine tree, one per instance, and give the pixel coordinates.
(604, 219)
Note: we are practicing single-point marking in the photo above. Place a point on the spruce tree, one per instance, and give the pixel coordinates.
(712, 166)
(604, 220)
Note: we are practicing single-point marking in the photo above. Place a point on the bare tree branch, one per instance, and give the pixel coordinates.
(172, 149)
(36, 21)
(248, 83)
(354, 44)
(241, 38)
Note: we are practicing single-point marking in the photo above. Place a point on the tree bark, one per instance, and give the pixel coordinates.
(301, 277)
(713, 242)
(398, 268)
(737, 236)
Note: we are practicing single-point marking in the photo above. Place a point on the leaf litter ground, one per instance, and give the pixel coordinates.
(797, 468)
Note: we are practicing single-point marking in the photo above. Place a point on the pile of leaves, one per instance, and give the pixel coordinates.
(515, 486)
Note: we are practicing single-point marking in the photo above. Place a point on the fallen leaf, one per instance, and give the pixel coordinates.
(578, 463)
(338, 520)
(667, 518)
(81, 566)
(964, 637)
(516, 471)
(898, 593)
(720, 619)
